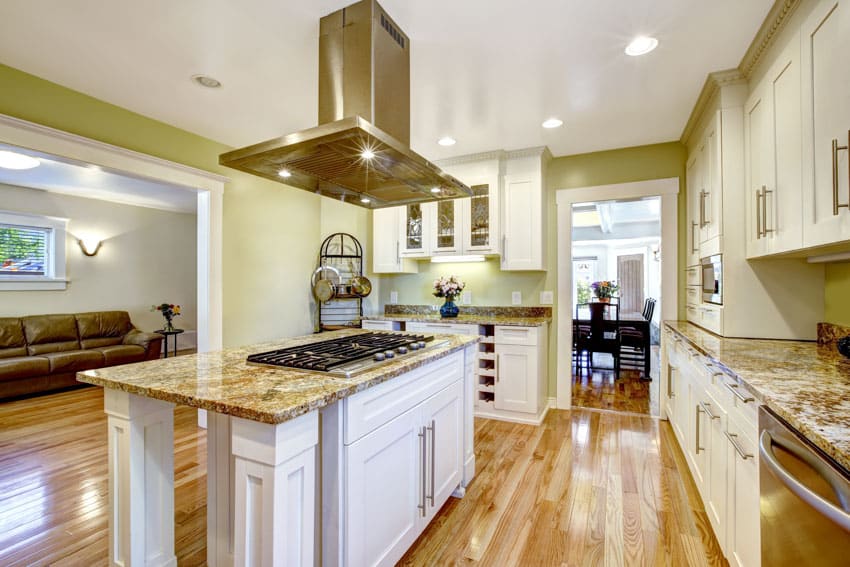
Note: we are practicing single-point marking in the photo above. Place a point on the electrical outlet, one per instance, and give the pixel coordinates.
(466, 298)
(516, 297)
(393, 297)
(547, 298)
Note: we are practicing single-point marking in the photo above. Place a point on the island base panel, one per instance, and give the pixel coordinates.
(141, 480)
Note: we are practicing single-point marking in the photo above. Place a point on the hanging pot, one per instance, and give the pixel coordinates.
(324, 289)
(360, 285)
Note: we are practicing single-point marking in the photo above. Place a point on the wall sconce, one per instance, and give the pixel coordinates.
(90, 245)
(656, 253)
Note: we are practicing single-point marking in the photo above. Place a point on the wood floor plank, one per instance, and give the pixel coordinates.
(585, 488)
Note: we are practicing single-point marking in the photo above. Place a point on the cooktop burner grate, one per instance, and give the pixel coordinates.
(326, 356)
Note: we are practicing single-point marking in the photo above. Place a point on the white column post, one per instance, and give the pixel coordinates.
(141, 480)
(275, 484)
(220, 491)
(470, 362)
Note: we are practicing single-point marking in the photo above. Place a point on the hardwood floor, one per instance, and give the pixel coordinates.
(600, 389)
(586, 488)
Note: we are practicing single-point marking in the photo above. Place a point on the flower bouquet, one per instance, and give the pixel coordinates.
(449, 288)
(604, 290)
(169, 311)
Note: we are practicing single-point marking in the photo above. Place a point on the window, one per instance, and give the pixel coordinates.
(32, 252)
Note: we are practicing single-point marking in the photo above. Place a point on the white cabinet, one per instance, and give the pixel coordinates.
(415, 227)
(374, 325)
(716, 428)
(523, 240)
(826, 123)
(710, 181)
(444, 328)
(516, 384)
(446, 230)
(693, 174)
(773, 145)
(400, 475)
(386, 243)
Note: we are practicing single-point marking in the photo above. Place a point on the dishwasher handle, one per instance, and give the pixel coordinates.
(828, 509)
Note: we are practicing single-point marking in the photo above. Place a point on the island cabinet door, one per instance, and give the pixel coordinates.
(385, 499)
(516, 378)
(443, 421)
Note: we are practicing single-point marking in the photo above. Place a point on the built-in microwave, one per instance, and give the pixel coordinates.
(712, 279)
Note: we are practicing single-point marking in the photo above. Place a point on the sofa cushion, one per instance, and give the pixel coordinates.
(102, 328)
(74, 360)
(121, 354)
(23, 367)
(50, 333)
(12, 341)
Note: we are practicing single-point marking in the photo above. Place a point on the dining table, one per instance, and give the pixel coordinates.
(631, 320)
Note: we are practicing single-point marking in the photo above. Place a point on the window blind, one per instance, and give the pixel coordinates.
(23, 250)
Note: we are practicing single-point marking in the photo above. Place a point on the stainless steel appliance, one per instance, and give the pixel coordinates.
(346, 356)
(360, 151)
(805, 499)
(712, 279)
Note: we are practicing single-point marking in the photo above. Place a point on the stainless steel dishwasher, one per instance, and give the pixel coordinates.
(805, 499)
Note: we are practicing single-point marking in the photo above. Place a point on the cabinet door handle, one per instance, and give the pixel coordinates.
(694, 247)
(496, 367)
(701, 209)
(707, 411)
(835, 148)
(735, 390)
(764, 194)
(758, 214)
(670, 394)
(733, 439)
(504, 248)
(398, 252)
(433, 429)
(697, 447)
(423, 458)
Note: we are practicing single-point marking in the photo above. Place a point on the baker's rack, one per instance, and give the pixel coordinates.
(343, 252)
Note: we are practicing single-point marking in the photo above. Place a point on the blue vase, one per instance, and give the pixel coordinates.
(449, 309)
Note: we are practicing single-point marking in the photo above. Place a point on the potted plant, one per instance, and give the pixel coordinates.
(449, 288)
(604, 290)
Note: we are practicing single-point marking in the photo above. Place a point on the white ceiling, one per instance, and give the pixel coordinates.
(486, 72)
(69, 177)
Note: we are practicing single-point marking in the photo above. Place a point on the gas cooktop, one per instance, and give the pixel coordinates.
(345, 356)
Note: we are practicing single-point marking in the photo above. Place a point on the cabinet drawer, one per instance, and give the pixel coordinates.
(517, 335)
(712, 319)
(368, 410)
(444, 328)
(692, 276)
(381, 325)
(694, 314)
(693, 295)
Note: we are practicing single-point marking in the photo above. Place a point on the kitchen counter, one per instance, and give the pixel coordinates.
(806, 384)
(476, 319)
(224, 382)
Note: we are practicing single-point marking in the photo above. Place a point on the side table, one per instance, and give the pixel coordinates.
(172, 333)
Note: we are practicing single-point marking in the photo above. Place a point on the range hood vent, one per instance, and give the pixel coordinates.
(359, 152)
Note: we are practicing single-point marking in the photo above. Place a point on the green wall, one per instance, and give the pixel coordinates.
(837, 294)
(262, 220)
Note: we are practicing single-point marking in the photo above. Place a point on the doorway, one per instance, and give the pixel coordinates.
(616, 261)
(665, 193)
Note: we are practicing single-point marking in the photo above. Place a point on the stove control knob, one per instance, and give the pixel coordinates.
(401, 350)
(379, 356)
(389, 354)
(414, 346)
(421, 344)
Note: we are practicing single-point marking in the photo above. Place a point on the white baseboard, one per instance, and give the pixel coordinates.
(188, 339)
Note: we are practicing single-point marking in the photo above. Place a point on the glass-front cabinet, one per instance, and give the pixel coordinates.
(469, 225)
(446, 222)
(415, 230)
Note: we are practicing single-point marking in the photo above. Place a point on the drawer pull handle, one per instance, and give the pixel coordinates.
(707, 411)
(697, 447)
(423, 459)
(733, 439)
(737, 391)
(758, 213)
(433, 429)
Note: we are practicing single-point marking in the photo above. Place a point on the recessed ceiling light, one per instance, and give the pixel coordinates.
(284, 173)
(435, 190)
(12, 160)
(447, 141)
(641, 45)
(552, 123)
(365, 200)
(367, 154)
(206, 81)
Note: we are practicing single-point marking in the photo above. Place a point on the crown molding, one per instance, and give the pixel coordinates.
(538, 151)
(713, 84)
(773, 24)
(470, 158)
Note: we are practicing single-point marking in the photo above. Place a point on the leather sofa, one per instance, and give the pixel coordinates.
(44, 352)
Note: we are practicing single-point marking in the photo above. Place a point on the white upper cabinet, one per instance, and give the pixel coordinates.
(710, 181)
(414, 226)
(523, 218)
(386, 243)
(693, 212)
(480, 216)
(825, 37)
(773, 134)
(446, 230)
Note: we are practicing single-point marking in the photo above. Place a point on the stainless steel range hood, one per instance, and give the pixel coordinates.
(364, 108)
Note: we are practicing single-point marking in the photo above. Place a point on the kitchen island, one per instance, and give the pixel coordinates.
(291, 454)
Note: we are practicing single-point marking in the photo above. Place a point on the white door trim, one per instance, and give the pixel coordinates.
(209, 187)
(668, 189)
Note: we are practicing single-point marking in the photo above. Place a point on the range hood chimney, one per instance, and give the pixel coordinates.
(359, 152)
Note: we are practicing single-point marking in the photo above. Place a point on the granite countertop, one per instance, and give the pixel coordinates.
(805, 383)
(462, 319)
(224, 382)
